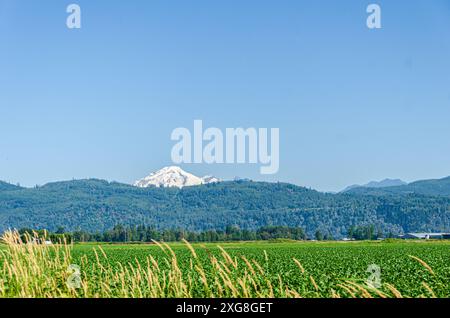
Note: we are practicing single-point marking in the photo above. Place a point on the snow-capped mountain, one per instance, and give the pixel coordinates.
(169, 177)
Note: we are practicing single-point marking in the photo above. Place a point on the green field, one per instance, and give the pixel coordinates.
(335, 269)
(328, 263)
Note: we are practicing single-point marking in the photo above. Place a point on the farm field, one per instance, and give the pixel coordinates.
(246, 269)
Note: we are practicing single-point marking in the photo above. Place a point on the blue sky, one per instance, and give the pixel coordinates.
(352, 104)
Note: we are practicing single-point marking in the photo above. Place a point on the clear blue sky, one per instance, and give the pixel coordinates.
(352, 104)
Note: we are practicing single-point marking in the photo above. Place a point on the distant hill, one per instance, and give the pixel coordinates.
(4, 186)
(435, 187)
(378, 184)
(96, 205)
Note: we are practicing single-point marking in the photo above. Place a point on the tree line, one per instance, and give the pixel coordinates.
(143, 233)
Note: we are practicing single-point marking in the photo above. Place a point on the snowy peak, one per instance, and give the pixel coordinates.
(210, 179)
(170, 177)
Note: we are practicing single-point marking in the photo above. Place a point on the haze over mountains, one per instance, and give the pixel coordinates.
(378, 184)
(433, 187)
(170, 200)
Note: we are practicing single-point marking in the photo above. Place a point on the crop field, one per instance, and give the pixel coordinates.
(246, 269)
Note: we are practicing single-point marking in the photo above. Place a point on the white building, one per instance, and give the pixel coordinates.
(425, 236)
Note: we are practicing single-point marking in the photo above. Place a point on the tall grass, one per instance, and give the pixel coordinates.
(29, 268)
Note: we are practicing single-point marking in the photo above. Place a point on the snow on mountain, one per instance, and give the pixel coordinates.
(210, 179)
(170, 177)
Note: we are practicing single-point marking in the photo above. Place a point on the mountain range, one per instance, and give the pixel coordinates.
(97, 205)
(377, 184)
(433, 187)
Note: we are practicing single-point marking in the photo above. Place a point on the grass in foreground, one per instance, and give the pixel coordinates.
(29, 268)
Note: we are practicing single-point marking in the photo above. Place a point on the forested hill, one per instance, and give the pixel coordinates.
(8, 187)
(437, 187)
(97, 205)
